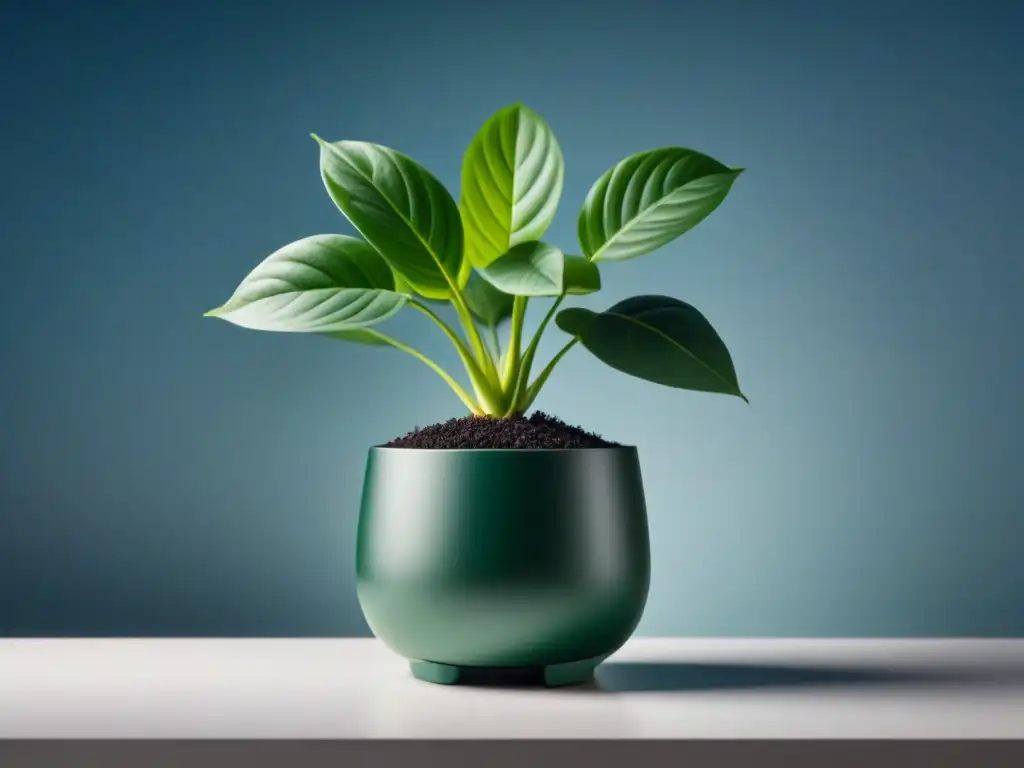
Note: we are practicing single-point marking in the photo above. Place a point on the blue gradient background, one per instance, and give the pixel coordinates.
(167, 474)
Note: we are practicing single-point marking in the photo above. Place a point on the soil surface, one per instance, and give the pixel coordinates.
(538, 430)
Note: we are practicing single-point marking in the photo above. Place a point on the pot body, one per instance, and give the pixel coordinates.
(503, 558)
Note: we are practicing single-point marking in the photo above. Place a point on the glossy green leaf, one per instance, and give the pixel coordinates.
(400, 208)
(581, 276)
(319, 284)
(489, 305)
(648, 200)
(528, 269)
(659, 339)
(512, 177)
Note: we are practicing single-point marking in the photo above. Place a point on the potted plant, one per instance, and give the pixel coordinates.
(499, 541)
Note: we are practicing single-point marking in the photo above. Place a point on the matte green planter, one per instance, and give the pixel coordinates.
(535, 562)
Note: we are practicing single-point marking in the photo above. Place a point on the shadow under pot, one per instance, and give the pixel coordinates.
(483, 565)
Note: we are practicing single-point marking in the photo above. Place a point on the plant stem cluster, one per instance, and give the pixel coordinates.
(500, 378)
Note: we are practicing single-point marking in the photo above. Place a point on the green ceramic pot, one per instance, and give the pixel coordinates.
(535, 562)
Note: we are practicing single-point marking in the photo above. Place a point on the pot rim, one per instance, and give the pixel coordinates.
(608, 448)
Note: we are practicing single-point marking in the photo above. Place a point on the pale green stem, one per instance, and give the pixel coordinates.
(460, 347)
(534, 389)
(527, 362)
(475, 339)
(490, 400)
(495, 341)
(456, 387)
(514, 342)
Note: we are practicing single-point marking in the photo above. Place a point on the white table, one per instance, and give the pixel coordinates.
(652, 688)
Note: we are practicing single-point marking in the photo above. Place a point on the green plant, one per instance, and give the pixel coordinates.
(485, 258)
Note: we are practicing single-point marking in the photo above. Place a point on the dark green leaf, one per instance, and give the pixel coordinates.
(528, 269)
(314, 285)
(648, 200)
(659, 339)
(512, 178)
(400, 208)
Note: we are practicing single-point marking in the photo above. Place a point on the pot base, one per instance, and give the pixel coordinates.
(552, 676)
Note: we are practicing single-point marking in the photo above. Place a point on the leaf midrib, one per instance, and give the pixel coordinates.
(506, 234)
(369, 179)
(332, 291)
(672, 341)
(513, 198)
(653, 207)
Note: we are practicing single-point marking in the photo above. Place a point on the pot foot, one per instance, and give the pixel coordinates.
(552, 676)
(572, 672)
(431, 672)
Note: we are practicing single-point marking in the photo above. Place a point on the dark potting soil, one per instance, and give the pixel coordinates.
(538, 430)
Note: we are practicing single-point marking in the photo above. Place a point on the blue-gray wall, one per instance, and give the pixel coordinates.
(165, 474)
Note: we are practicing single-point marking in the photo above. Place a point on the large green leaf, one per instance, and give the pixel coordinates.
(489, 305)
(400, 208)
(319, 284)
(648, 200)
(512, 177)
(659, 339)
(528, 269)
(581, 276)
